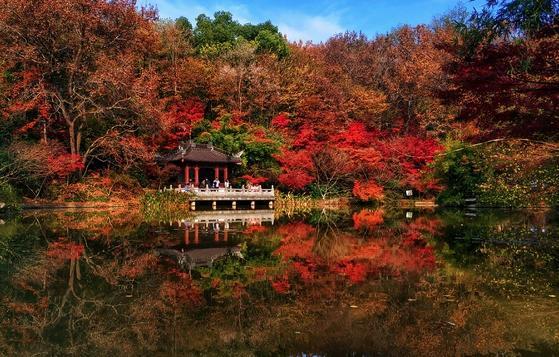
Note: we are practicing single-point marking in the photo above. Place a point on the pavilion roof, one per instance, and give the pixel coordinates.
(203, 153)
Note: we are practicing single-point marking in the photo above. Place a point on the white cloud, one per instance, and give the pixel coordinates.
(310, 28)
(240, 12)
(295, 25)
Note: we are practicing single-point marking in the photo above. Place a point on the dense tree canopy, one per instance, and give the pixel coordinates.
(111, 84)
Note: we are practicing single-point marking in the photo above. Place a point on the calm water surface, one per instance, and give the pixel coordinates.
(326, 283)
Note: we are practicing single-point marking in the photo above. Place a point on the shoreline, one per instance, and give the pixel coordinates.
(289, 202)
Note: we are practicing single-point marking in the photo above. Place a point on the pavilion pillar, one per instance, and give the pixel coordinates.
(225, 174)
(216, 172)
(187, 174)
(196, 175)
(196, 234)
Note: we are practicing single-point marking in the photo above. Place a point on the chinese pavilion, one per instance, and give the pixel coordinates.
(201, 161)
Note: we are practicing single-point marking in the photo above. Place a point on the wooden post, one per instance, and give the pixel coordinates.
(216, 172)
(196, 175)
(225, 173)
(196, 237)
(187, 174)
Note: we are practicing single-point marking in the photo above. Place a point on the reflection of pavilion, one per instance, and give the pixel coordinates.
(220, 223)
(200, 257)
(197, 252)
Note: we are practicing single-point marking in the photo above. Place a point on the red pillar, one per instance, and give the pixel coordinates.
(216, 236)
(196, 171)
(187, 174)
(225, 174)
(216, 172)
(196, 237)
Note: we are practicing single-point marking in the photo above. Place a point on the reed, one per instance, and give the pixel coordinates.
(165, 205)
(288, 204)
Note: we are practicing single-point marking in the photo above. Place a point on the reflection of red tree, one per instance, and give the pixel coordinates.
(180, 290)
(355, 272)
(367, 218)
(405, 253)
(137, 266)
(296, 230)
(254, 229)
(425, 224)
(65, 250)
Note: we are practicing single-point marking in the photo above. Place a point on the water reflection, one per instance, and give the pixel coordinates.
(367, 281)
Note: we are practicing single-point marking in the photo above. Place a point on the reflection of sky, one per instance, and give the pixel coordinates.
(317, 20)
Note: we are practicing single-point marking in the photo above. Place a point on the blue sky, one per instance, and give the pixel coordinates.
(317, 20)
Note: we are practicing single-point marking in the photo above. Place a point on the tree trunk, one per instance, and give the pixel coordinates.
(72, 137)
(45, 133)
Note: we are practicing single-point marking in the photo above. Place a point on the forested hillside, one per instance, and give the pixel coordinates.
(91, 91)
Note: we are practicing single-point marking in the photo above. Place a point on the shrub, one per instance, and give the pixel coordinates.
(458, 172)
(9, 197)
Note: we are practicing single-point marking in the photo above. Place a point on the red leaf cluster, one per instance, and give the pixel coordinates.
(180, 118)
(63, 165)
(281, 121)
(367, 191)
(281, 285)
(65, 250)
(254, 180)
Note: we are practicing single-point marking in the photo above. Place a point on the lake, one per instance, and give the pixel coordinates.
(360, 282)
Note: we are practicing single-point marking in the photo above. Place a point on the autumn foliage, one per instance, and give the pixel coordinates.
(312, 260)
(367, 191)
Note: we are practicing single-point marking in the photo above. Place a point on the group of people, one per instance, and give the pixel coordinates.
(215, 184)
(205, 184)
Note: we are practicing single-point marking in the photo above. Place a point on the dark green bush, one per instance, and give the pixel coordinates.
(458, 171)
(514, 173)
(9, 197)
